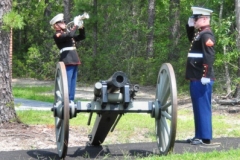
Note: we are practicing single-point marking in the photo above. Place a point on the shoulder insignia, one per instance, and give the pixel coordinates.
(58, 34)
(209, 43)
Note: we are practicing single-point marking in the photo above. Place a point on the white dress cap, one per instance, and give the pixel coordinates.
(58, 17)
(201, 11)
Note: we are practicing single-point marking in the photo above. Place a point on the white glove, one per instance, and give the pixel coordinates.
(205, 80)
(190, 22)
(76, 20)
(80, 24)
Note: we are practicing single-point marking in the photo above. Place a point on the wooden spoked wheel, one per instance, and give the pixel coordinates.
(166, 109)
(61, 110)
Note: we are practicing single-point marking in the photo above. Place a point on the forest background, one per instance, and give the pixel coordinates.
(122, 35)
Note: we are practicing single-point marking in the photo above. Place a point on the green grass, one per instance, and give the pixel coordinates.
(132, 124)
(233, 154)
(32, 117)
(224, 125)
(39, 93)
(128, 125)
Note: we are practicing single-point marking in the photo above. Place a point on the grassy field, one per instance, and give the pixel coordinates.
(44, 93)
(224, 124)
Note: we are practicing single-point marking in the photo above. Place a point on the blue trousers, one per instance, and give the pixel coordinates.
(72, 80)
(202, 109)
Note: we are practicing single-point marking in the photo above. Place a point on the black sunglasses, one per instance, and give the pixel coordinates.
(196, 18)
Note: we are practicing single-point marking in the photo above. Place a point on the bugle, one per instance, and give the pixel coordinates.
(80, 22)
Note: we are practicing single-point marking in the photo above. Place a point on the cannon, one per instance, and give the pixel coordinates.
(112, 99)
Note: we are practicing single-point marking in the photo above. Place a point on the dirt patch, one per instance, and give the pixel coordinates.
(18, 136)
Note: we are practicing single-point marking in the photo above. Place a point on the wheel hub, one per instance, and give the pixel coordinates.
(58, 110)
(156, 109)
(157, 105)
(72, 110)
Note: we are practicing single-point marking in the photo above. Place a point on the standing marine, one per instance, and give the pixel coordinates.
(200, 73)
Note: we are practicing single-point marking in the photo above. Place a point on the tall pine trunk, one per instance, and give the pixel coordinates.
(237, 10)
(150, 35)
(11, 53)
(67, 7)
(95, 28)
(228, 80)
(174, 28)
(7, 111)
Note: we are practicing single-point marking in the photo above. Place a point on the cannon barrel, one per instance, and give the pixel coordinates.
(97, 90)
(116, 81)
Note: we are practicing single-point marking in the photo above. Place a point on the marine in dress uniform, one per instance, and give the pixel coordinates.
(199, 70)
(65, 41)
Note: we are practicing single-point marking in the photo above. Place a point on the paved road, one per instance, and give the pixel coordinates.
(117, 151)
(24, 104)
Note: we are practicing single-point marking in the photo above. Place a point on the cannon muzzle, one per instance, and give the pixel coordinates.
(116, 81)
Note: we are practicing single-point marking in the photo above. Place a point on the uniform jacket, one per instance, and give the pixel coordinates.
(201, 54)
(67, 39)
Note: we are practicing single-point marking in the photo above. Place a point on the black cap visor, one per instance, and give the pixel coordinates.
(196, 16)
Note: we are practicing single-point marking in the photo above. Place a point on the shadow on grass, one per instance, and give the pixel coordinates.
(119, 151)
(133, 150)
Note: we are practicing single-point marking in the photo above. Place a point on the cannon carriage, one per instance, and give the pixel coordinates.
(112, 99)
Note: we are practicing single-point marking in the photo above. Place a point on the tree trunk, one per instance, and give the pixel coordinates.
(150, 35)
(237, 10)
(7, 111)
(11, 53)
(228, 80)
(95, 29)
(67, 8)
(174, 28)
(47, 11)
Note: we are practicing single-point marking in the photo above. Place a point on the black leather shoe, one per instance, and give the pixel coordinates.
(206, 141)
(200, 141)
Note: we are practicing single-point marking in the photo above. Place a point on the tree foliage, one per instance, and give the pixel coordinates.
(12, 20)
(117, 38)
